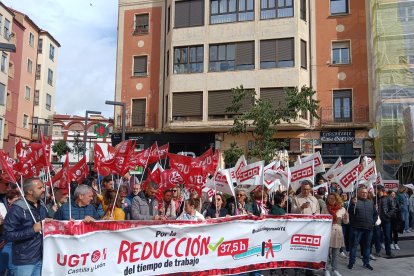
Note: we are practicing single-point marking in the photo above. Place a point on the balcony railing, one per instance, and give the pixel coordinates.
(341, 116)
(135, 122)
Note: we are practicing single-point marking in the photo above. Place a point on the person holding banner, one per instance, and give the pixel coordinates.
(280, 202)
(168, 206)
(239, 206)
(305, 203)
(145, 205)
(217, 207)
(190, 211)
(113, 205)
(339, 217)
(23, 227)
(80, 207)
(362, 215)
(259, 206)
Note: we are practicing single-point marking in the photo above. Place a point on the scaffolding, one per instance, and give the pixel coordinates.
(392, 60)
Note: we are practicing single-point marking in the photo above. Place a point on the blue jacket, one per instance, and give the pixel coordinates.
(363, 214)
(18, 228)
(78, 213)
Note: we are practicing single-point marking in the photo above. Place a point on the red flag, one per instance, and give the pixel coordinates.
(46, 147)
(121, 158)
(79, 172)
(163, 151)
(171, 178)
(19, 148)
(65, 180)
(190, 171)
(5, 166)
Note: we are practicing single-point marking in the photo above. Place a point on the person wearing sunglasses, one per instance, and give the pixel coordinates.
(238, 207)
(217, 207)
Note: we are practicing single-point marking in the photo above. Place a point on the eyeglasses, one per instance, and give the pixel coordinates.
(218, 199)
(174, 191)
(240, 195)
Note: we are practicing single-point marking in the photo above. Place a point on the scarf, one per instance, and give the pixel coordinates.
(333, 209)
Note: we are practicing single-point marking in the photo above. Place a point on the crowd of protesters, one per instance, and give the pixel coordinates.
(369, 220)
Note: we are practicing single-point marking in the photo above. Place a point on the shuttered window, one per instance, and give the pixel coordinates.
(277, 53)
(138, 112)
(232, 56)
(141, 23)
(276, 96)
(189, 13)
(187, 106)
(140, 66)
(218, 101)
(303, 56)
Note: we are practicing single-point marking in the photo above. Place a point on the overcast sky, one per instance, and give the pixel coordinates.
(86, 30)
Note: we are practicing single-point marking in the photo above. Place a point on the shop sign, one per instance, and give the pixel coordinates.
(338, 136)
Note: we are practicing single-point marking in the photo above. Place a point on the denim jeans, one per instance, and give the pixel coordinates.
(406, 218)
(346, 230)
(6, 263)
(386, 228)
(365, 236)
(29, 270)
(377, 238)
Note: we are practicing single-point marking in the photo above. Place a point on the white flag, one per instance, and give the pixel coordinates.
(348, 175)
(277, 175)
(369, 172)
(299, 173)
(221, 181)
(269, 183)
(334, 170)
(317, 162)
(251, 174)
(236, 169)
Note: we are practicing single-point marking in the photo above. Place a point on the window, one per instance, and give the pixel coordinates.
(29, 65)
(3, 62)
(2, 94)
(233, 56)
(189, 13)
(188, 59)
(303, 10)
(36, 97)
(40, 46)
(140, 66)
(141, 23)
(339, 7)
(38, 71)
(27, 93)
(48, 102)
(50, 77)
(342, 105)
(51, 52)
(406, 12)
(303, 56)
(276, 9)
(277, 53)
(31, 39)
(6, 32)
(25, 121)
(187, 106)
(340, 52)
(275, 95)
(224, 11)
(168, 63)
(169, 19)
(218, 101)
(138, 112)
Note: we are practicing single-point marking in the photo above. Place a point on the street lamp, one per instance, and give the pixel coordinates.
(85, 135)
(123, 115)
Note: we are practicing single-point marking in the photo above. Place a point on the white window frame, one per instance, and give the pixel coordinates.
(27, 88)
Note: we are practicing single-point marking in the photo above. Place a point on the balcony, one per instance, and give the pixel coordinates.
(141, 30)
(344, 117)
(138, 122)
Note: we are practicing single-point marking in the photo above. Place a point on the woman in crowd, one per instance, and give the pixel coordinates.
(178, 199)
(403, 201)
(190, 211)
(125, 202)
(340, 216)
(239, 206)
(113, 209)
(217, 207)
(395, 221)
(168, 206)
(259, 206)
(346, 229)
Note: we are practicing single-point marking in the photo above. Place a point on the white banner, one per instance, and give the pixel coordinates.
(334, 170)
(251, 174)
(348, 175)
(317, 162)
(221, 182)
(299, 173)
(216, 247)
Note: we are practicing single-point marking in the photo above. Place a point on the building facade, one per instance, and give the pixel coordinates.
(204, 48)
(31, 83)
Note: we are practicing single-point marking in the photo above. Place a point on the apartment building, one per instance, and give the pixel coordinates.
(31, 82)
(204, 48)
(6, 19)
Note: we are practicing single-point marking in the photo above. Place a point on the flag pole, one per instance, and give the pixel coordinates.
(24, 199)
(114, 203)
(51, 184)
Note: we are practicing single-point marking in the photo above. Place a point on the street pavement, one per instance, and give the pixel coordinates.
(402, 264)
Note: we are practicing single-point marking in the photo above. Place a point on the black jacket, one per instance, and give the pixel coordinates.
(18, 228)
(363, 214)
(388, 208)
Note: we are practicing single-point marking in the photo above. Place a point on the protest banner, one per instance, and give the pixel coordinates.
(216, 247)
(391, 185)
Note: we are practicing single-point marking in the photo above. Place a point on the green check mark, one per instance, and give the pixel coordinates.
(213, 247)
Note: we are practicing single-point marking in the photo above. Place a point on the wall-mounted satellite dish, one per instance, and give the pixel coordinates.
(373, 133)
